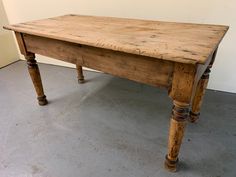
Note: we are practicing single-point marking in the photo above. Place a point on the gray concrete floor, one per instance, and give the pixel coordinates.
(107, 127)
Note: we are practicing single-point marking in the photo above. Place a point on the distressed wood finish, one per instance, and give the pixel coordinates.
(36, 78)
(184, 76)
(200, 92)
(176, 56)
(198, 98)
(181, 90)
(21, 43)
(178, 121)
(178, 42)
(134, 67)
(33, 70)
(80, 74)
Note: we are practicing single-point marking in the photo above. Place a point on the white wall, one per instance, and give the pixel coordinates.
(8, 50)
(201, 11)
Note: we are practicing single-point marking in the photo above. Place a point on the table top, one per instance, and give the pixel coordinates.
(178, 42)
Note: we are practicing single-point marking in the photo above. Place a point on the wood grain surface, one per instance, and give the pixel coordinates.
(178, 42)
(134, 67)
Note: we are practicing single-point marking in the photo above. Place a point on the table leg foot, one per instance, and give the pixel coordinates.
(81, 81)
(171, 165)
(42, 100)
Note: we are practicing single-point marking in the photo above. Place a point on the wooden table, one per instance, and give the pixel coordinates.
(175, 56)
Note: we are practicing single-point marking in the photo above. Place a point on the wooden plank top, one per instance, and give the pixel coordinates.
(178, 42)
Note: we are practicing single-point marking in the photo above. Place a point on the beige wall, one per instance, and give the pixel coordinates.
(8, 50)
(223, 75)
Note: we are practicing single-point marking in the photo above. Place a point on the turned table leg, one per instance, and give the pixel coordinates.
(80, 73)
(200, 92)
(36, 78)
(198, 97)
(178, 121)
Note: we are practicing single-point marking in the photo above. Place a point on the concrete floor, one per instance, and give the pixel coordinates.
(107, 127)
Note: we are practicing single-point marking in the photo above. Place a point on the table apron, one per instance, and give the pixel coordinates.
(152, 71)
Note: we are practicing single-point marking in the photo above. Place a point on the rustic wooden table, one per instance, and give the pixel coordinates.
(175, 56)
